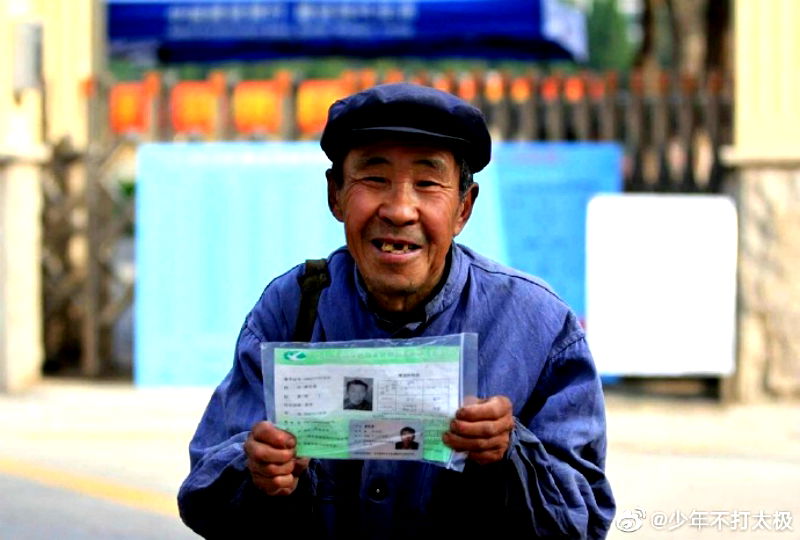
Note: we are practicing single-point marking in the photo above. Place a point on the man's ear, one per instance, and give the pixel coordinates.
(333, 196)
(467, 203)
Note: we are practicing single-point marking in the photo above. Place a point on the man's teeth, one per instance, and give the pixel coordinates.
(390, 247)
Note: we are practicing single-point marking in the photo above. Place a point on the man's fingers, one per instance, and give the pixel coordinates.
(261, 453)
(269, 444)
(272, 460)
(482, 429)
(300, 465)
(481, 451)
(275, 469)
(276, 485)
(467, 444)
(277, 479)
(266, 432)
(488, 409)
(486, 419)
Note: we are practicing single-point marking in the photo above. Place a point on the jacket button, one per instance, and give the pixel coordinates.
(378, 490)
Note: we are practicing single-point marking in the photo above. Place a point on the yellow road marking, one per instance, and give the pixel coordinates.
(97, 434)
(142, 499)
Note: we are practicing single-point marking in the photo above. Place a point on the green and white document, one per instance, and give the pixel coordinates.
(367, 400)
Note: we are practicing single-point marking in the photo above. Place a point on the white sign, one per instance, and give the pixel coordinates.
(661, 284)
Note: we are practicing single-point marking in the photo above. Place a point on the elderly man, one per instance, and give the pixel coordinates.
(401, 183)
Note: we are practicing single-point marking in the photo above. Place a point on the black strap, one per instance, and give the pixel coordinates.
(312, 282)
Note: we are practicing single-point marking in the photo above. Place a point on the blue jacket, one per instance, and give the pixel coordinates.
(550, 484)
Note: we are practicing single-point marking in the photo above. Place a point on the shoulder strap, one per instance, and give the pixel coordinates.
(312, 282)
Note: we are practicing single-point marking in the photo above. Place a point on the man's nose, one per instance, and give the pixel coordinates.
(400, 206)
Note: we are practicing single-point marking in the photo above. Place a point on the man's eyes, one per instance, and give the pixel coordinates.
(419, 184)
(427, 183)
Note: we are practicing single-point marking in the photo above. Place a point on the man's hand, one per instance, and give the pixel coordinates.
(483, 429)
(272, 459)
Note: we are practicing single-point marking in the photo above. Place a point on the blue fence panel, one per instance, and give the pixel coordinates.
(544, 192)
(216, 222)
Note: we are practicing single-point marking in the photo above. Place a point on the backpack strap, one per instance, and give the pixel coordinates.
(312, 282)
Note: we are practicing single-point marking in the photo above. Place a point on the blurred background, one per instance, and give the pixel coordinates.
(159, 163)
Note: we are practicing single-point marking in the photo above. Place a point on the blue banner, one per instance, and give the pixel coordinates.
(216, 222)
(180, 30)
(543, 191)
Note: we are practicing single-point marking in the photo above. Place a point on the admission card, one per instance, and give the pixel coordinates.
(376, 399)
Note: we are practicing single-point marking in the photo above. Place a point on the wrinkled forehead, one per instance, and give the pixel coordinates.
(393, 151)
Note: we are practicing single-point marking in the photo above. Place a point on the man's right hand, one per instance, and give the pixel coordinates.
(272, 459)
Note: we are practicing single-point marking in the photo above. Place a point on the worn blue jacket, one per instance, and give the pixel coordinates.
(550, 484)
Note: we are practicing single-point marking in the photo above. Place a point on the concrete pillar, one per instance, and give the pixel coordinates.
(766, 154)
(20, 214)
(74, 53)
(30, 121)
(21, 349)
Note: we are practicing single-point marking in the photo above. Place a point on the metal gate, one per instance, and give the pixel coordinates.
(671, 140)
(86, 289)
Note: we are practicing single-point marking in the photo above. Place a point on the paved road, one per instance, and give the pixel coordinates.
(671, 457)
(94, 460)
(82, 460)
(33, 510)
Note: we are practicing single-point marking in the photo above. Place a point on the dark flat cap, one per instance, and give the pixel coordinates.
(407, 111)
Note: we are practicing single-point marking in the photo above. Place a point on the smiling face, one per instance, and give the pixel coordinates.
(401, 207)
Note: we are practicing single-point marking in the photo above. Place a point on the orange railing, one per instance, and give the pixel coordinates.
(315, 96)
(650, 120)
(258, 106)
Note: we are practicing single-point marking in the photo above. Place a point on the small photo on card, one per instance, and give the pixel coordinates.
(386, 439)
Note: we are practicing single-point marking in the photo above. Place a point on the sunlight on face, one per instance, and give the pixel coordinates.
(401, 208)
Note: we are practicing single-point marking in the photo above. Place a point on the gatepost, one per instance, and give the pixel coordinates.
(766, 156)
(48, 52)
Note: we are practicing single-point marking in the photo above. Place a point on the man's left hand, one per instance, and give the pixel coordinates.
(483, 429)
